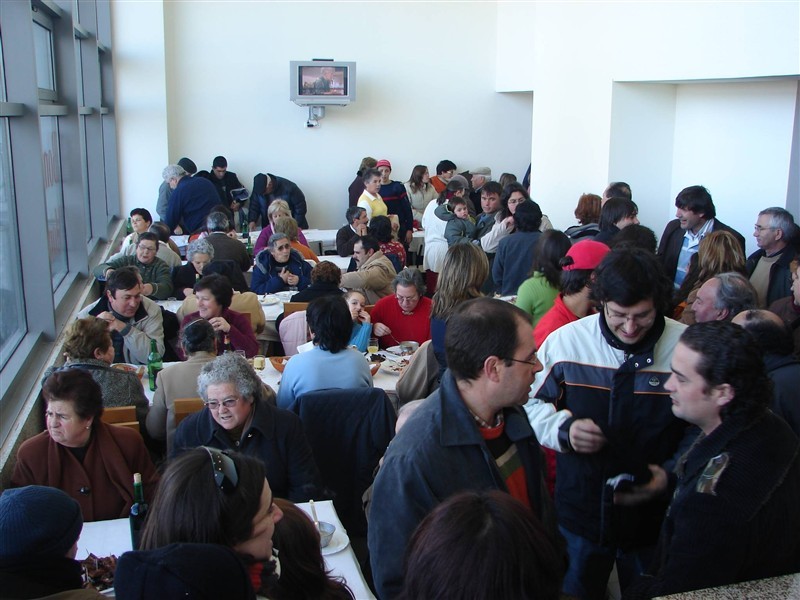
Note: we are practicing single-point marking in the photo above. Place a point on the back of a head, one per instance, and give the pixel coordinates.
(183, 572)
(161, 229)
(464, 271)
(330, 322)
(552, 246)
(528, 216)
(188, 165)
(218, 222)
(618, 189)
(380, 227)
(288, 226)
(37, 524)
(478, 545)
(769, 331)
(637, 236)
(626, 276)
(198, 336)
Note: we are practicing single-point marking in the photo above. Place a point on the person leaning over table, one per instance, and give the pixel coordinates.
(208, 496)
(233, 329)
(155, 272)
(39, 531)
(279, 268)
(92, 462)
(240, 415)
(331, 363)
(199, 345)
(88, 346)
(406, 316)
(133, 319)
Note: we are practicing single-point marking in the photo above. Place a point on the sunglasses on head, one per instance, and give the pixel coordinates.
(225, 474)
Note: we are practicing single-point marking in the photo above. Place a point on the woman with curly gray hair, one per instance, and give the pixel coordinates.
(198, 255)
(240, 415)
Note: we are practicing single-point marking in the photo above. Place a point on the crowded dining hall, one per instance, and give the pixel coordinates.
(241, 335)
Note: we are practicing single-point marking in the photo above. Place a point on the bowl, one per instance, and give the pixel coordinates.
(325, 533)
(279, 362)
(374, 367)
(408, 348)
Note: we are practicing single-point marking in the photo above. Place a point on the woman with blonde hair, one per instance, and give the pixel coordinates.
(464, 270)
(719, 252)
(276, 210)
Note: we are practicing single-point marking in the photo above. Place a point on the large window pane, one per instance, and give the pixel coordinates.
(12, 305)
(54, 198)
(43, 47)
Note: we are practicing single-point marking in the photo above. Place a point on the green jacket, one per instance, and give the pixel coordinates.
(156, 273)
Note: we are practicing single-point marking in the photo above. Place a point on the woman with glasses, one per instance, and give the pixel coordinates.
(331, 363)
(208, 496)
(240, 415)
(405, 316)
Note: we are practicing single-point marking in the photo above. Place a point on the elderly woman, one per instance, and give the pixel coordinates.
(288, 226)
(326, 279)
(420, 191)
(199, 254)
(331, 363)
(406, 315)
(92, 462)
(208, 496)
(370, 199)
(239, 415)
(88, 346)
(233, 329)
(199, 344)
(276, 210)
(280, 268)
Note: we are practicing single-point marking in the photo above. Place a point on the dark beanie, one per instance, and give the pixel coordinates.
(260, 184)
(37, 522)
(188, 165)
(182, 571)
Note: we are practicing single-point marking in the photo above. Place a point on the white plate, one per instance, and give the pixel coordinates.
(285, 296)
(338, 542)
(397, 351)
(395, 367)
(269, 299)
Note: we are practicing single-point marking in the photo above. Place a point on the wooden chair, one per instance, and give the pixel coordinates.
(183, 407)
(124, 416)
(293, 307)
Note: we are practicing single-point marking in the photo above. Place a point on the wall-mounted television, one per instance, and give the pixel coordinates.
(322, 82)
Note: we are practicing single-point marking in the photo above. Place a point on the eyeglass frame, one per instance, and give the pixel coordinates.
(215, 404)
(226, 476)
(532, 363)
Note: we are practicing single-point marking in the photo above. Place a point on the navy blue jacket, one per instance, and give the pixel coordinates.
(513, 261)
(265, 273)
(282, 189)
(275, 436)
(190, 203)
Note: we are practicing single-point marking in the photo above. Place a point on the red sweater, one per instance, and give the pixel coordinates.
(558, 316)
(415, 327)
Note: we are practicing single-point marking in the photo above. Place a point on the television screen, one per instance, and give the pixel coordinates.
(322, 81)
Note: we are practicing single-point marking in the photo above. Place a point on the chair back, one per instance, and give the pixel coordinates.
(349, 431)
(183, 407)
(124, 416)
(293, 307)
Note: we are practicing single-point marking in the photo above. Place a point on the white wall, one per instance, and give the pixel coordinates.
(426, 91)
(580, 50)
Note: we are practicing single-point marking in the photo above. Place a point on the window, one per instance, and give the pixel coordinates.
(45, 59)
(54, 198)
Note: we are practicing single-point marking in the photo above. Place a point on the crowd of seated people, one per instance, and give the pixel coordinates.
(503, 246)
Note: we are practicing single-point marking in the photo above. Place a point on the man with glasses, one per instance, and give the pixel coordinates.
(606, 373)
(406, 316)
(154, 271)
(374, 274)
(768, 267)
(470, 434)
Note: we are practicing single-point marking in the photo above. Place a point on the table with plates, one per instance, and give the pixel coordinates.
(104, 538)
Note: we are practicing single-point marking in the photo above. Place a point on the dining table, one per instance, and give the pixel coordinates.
(113, 537)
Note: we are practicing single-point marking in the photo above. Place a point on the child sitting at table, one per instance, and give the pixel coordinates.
(362, 327)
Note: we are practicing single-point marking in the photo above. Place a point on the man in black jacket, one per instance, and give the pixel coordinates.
(768, 267)
(269, 187)
(681, 238)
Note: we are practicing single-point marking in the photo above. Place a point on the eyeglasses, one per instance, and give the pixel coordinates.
(225, 475)
(759, 228)
(146, 248)
(532, 363)
(407, 299)
(227, 403)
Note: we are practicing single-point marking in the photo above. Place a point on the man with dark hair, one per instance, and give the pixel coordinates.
(470, 434)
(154, 271)
(768, 267)
(226, 182)
(774, 339)
(444, 173)
(165, 191)
(225, 247)
(723, 297)
(616, 189)
(733, 516)
(268, 188)
(133, 319)
(191, 200)
(347, 236)
(375, 272)
(606, 372)
(681, 238)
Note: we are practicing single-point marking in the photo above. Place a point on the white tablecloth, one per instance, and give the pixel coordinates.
(104, 538)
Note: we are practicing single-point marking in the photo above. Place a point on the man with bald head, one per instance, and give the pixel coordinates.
(775, 341)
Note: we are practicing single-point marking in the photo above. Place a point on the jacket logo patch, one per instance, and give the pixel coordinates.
(654, 381)
(707, 484)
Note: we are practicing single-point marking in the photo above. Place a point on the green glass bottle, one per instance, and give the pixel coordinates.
(154, 365)
(138, 511)
(129, 226)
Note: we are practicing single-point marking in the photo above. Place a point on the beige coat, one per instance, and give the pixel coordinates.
(373, 278)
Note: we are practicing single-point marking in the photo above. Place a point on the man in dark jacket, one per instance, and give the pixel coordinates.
(768, 267)
(225, 181)
(681, 238)
(733, 516)
(468, 435)
(269, 187)
(191, 200)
